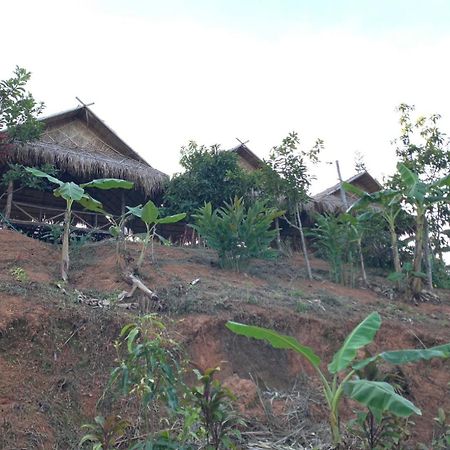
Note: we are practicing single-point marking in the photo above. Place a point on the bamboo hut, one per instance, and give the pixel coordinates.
(330, 200)
(247, 160)
(81, 147)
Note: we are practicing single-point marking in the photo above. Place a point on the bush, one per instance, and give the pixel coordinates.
(210, 175)
(237, 233)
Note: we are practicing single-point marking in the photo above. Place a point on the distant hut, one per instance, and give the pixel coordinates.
(81, 147)
(246, 158)
(330, 200)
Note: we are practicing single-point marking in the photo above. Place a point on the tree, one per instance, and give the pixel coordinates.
(210, 175)
(18, 109)
(285, 181)
(420, 196)
(72, 192)
(425, 150)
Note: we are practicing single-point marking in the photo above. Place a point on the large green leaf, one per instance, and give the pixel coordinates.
(69, 191)
(362, 335)
(108, 183)
(91, 203)
(380, 396)
(407, 356)
(172, 219)
(135, 210)
(409, 178)
(275, 339)
(40, 174)
(149, 213)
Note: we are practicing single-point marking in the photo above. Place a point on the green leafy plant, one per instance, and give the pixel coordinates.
(19, 274)
(18, 109)
(72, 192)
(216, 411)
(284, 182)
(148, 366)
(386, 434)
(378, 396)
(237, 233)
(104, 433)
(149, 214)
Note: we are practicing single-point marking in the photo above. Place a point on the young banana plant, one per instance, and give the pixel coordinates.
(149, 214)
(72, 192)
(378, 397)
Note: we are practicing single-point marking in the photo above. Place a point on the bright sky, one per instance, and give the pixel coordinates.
(163, 72)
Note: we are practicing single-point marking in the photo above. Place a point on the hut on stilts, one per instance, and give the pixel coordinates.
(81, 147)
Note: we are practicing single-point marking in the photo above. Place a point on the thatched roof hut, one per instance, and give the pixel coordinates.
(330, 200)
(246, 158)
(82, 147)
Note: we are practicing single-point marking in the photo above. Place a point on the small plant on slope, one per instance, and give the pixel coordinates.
(72, 192)
(379, 397)
(237, 233)
(216, 412)
(149, 214)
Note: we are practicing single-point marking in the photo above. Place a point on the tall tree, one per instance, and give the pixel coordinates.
(286, 181)
(425, 150)
(210, 175)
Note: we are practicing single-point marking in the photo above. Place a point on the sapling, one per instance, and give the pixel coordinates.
(149, 214)
(378, 396)
(72, 192)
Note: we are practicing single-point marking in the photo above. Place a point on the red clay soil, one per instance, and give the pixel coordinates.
(55, 355)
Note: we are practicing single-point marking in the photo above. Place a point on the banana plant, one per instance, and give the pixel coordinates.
(388, 203)
(378, 397)
(420, 196)
(149, 214)
(72, 192)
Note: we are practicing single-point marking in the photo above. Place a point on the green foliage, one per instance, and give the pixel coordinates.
(18, 109)
(149, 214)
(148, 367)
(389, 433)
(210, 176)
(105, 432)
(237, 233)
(338, 239)
(22, 178)
(378, 396)
(216, 412)
(72, 192)
(19, 274)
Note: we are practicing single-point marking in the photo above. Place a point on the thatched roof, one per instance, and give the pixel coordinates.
(79, 143)
(330, 201)
(247, 158)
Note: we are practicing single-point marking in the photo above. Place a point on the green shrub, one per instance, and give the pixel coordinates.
(237, 233)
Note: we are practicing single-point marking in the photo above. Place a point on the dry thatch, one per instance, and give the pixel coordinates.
(85, 164)
(329, 201)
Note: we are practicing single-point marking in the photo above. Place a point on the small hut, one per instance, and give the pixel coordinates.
(330, 200)
(81, 147)
(246, 158)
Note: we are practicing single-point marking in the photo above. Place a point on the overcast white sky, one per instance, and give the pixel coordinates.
(162, 73)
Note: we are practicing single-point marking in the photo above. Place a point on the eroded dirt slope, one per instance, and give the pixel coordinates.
(56, 354)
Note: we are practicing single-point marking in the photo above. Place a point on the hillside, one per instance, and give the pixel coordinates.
(56, 343)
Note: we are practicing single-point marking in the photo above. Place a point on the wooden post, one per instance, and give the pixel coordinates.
(9, 199)
(343, 196)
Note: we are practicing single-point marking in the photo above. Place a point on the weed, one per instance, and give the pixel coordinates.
(19, 274)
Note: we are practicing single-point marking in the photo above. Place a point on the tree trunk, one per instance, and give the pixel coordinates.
(9, 199)
(394, 245)
(277, 225)
(428, 256)
(418, 252)
(302, 237)
(65, 262)
(363, 266)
